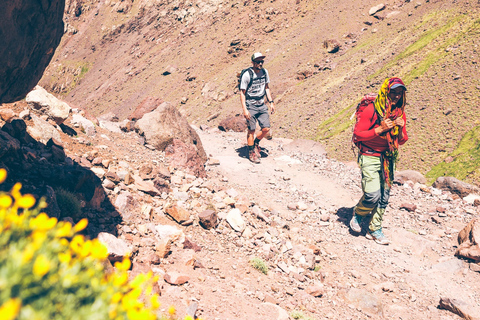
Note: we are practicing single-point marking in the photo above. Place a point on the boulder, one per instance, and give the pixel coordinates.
(87, 126)
(147, 105)
(376, 9)
(42, 130)
(117, 248)
(30, 31)
(161, 126)
(455, 186)
(469, 240)
(236, 124)
(331, 45)
(460, 308)
(187, 157)
(409, 175)
(208, 219)
(46, 103)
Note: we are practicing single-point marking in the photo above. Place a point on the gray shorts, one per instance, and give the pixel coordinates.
(260, 114)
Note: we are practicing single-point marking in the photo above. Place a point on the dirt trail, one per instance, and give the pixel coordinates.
(361, 279)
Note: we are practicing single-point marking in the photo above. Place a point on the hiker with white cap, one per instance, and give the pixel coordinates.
(253, 89)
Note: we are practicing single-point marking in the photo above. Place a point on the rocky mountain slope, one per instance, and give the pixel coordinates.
(245, 241)
(116, 53)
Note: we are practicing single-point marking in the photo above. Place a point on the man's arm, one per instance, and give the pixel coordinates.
(244, 104)
(269, 99)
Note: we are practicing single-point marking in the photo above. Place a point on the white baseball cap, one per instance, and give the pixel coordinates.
(257, 55)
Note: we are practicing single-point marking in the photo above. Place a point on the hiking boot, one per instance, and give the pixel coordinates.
(252, 155)
(356, 223)
(257, 151)
(378, 236)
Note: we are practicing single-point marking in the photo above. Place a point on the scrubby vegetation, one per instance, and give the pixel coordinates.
(260, 265)
(49, 270)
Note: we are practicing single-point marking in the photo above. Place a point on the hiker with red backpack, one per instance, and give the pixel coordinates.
(379, 131)
(253, 89)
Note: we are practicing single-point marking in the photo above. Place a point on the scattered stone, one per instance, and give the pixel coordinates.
(117, 248)
(376, 9)
(235, 220)
(409, 207)
(208, 219)
(178, 213)
(176, 278)
(459, 307)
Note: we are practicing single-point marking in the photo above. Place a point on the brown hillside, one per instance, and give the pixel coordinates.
(116, 52)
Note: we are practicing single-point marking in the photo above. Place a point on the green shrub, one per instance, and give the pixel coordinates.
(68, 203)
(260, 265)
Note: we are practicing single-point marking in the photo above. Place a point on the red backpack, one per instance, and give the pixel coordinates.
(366, 100)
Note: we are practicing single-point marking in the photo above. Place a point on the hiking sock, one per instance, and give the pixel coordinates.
(250, 148)
(256, 142)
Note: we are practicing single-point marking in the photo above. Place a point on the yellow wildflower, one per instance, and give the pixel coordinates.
(10, 309)
(15, 192)
(188, 318)
(124, 265)
(41, 266)
(3, 175)
(76, 243)
(171, 310)
(154, 301)
(28, 253)
(98, 250)
(27, 201)
(64, 257)
(120, 279)
(82, 224)
(117, 297)
(140, 315)
(5, 201)
(43, 222)
(65, 230)
(38, 238)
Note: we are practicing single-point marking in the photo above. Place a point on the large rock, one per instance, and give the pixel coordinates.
(147, 105)
(87, 126)
(186, 156)
(460, 308)
(376, 9)
(409, 175)
(164, 124)
(237, 124)
(117, 248)
(469, 239)
(30, 31)
(456, 186)
(46, 103)
(43, 131)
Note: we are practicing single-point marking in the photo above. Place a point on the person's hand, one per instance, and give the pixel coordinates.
(399, 122)
(386, 125)
(247, 115)
(272, 108)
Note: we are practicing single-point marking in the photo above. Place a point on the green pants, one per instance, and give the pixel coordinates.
(375, 192)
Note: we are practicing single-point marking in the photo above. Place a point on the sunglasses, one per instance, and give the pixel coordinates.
(258, 62)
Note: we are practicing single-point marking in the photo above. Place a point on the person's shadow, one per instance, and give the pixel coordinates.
(243, 152)
(344, 215)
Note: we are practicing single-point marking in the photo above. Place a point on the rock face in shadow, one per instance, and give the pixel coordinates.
(30, 31)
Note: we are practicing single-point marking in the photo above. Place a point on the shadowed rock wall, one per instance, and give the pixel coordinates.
(30, 31)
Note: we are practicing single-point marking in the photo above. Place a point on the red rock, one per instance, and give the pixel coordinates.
(208, 219)
(315, 290)
(178, 213)
(237, 124)
(176, 278)
(147, 105)
(187, 244)
(409, 207)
